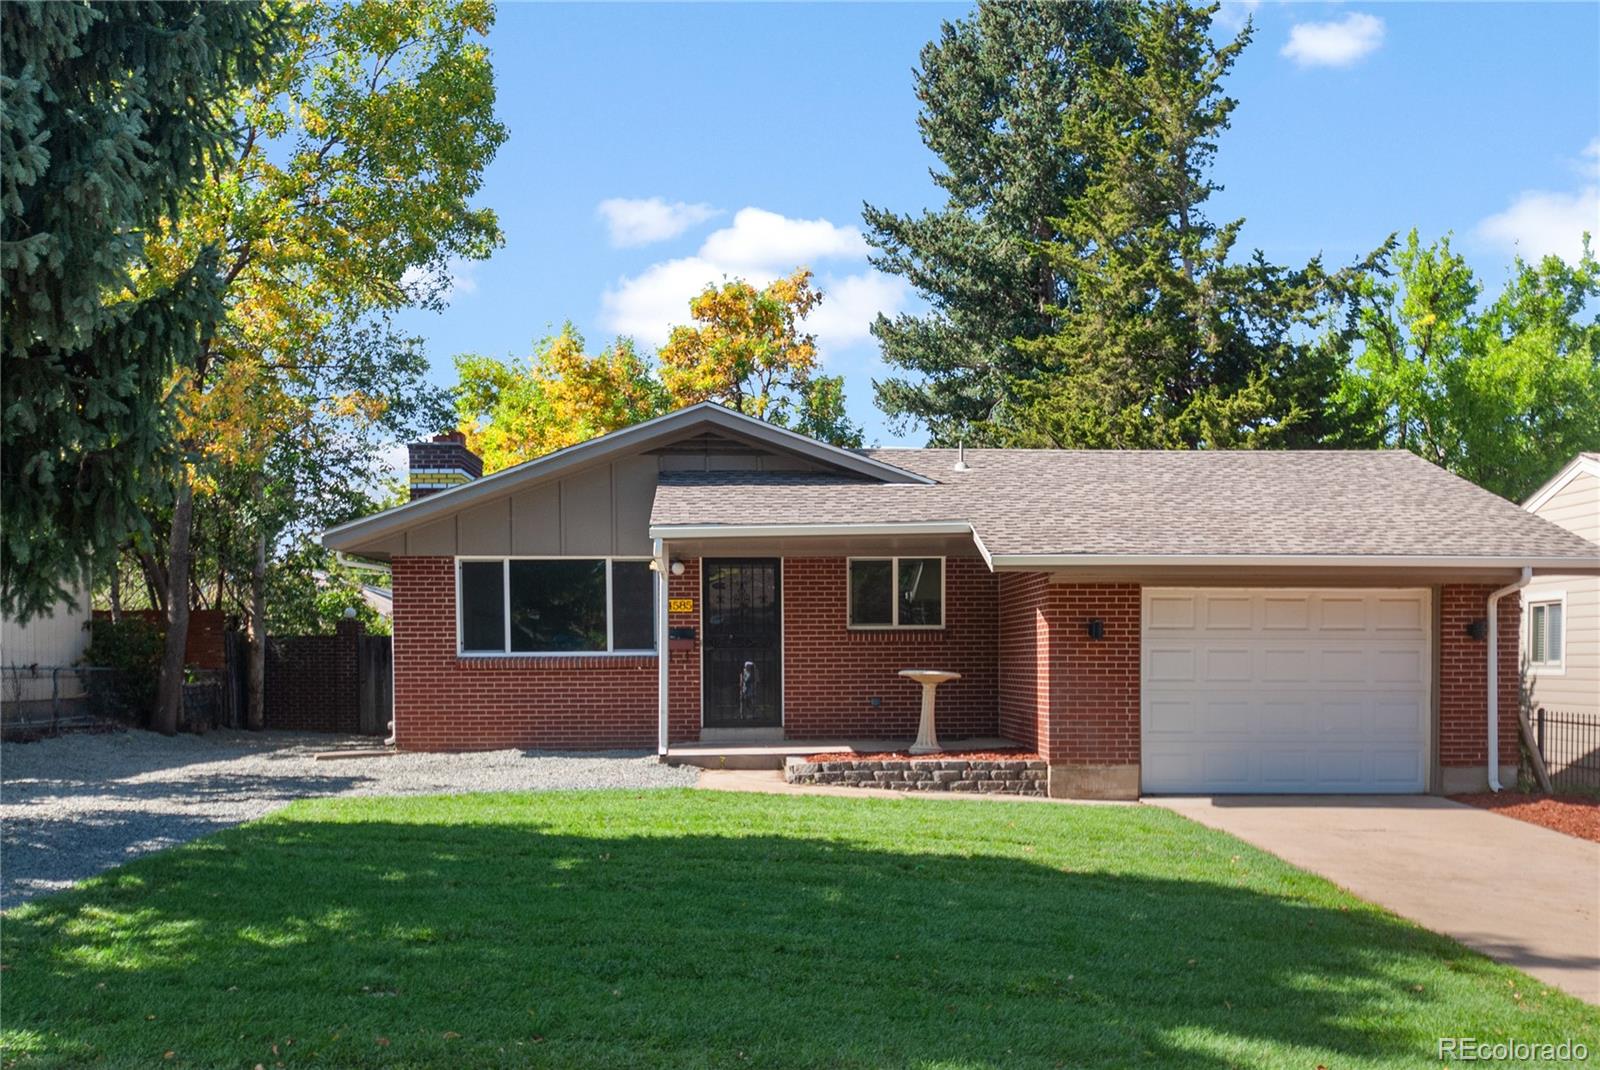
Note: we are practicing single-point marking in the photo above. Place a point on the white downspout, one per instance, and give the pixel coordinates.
(662, 575)
(1494, 674)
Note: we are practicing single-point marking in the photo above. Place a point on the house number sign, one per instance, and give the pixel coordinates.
(680, 605)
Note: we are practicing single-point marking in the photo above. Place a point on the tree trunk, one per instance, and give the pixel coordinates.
(116, 590)
(255, 711)
(169, 698)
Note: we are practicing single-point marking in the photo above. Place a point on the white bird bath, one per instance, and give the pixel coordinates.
(927, 741)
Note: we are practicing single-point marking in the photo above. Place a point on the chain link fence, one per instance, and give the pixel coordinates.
(40, 700)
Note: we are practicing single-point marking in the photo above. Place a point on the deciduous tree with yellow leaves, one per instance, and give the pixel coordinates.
(745, 349)
(349, 199)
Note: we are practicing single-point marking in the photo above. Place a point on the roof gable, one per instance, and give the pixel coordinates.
(720, 423)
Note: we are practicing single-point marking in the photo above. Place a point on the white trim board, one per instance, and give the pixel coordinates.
(1583, 463)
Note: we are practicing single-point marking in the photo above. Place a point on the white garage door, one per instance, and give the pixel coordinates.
(1280, 690)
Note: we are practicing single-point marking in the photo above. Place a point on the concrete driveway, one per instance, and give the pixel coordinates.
(1521, 894)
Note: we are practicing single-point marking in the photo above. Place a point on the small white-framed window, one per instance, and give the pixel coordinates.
(895, 592)
(515, 606)
(1547, 632)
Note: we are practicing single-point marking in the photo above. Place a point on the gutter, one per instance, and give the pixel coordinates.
(1494, 673)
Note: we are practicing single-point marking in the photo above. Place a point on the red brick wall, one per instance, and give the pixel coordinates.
(683, 666)
(1024, 653)
(1463, 680)
(311, 682)
(445, 702)
(830, 673)
(204, 647)
(1094, 683)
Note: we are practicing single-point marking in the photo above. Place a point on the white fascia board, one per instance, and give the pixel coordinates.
(1558, 482)
(1283, 561)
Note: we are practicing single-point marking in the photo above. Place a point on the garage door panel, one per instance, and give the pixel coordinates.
(1286, 613)
(1286, 666)
(1283, 767)
(1345, 665)
(1286, 690)
(1343, 614)
(1166, 665)
(1406, 665)
(1229, 665)
(1335, 766)
(1166, 717)
(1399, 615)
(1170, 612)
(1229, 613)
(1227, 717)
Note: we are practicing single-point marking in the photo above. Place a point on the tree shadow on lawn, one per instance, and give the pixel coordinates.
(469, 942)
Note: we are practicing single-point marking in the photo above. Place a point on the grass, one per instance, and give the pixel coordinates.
(707, 929)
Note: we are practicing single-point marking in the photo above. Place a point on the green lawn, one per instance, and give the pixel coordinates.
(707, 929)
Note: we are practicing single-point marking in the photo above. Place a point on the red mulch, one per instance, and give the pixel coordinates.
(1578, 817)
(942, 756)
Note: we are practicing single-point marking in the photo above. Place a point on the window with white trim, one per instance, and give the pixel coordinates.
(555, 605)
(1546, 633)
(896, 592)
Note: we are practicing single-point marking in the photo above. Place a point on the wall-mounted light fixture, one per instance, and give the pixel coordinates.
(1096, 628)
(1478, 629)
(676, 568)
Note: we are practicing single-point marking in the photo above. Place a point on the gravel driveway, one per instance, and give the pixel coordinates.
(73, 806)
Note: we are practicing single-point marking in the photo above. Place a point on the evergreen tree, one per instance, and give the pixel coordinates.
(110, 116)
(1164, 340)
(995, 89)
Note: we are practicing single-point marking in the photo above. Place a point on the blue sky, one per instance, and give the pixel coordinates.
(744, 139)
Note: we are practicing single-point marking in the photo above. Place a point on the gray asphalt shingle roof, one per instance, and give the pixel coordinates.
(1128, 502)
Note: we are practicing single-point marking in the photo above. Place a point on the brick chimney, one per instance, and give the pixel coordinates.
(441, 464)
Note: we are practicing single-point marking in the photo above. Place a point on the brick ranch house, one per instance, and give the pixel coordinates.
(1149, 622)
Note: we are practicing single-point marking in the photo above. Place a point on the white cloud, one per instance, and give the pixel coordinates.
(1541, 222)
(1235, 13)
(850, 305)
(459, 278)
(1589, 159)
(1334, 44)
(644, 221)
(759, 238)
(760, 246)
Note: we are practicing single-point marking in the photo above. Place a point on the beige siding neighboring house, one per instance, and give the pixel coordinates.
(28, 653)
(1561, 614)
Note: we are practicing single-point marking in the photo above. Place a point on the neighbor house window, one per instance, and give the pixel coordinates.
(565, 605)
(897, 592)
(1546, 627)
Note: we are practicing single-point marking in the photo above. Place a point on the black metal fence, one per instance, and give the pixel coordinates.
(1569, 743)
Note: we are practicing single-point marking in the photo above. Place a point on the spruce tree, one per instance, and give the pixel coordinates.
(112, 111)
(995, 89)
(1165, 339)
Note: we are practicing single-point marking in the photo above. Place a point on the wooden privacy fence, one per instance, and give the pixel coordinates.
(375, 684)
(329, 683)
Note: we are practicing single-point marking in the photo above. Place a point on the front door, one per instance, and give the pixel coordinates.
(742, 650)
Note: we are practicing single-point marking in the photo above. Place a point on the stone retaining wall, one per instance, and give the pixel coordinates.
(1018, 777)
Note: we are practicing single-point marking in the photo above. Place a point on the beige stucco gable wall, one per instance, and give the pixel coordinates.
(599, 511)
(1575, 687)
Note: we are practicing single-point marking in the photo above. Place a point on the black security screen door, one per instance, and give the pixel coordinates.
(742, 649)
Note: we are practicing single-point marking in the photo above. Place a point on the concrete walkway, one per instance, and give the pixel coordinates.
(1521, 894)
